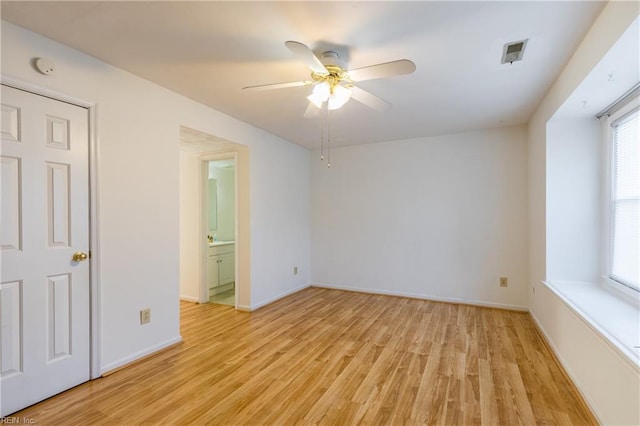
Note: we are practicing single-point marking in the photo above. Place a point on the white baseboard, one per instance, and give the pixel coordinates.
(140, 354)
(273, 299)
(189, 299)
(427, 297)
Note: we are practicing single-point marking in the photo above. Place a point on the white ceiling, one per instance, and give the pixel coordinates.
(208, 51)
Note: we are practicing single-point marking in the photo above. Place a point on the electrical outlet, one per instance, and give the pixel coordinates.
(295, 270)
(504, 282)
(145, 316)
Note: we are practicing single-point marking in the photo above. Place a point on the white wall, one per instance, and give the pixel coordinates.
(441, 217)
(280, 215)
(608, 381)
(138, 126)
(574, 152)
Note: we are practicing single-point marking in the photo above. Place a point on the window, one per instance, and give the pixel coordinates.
(624, 264)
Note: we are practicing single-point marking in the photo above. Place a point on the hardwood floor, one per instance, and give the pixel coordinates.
(332, 357)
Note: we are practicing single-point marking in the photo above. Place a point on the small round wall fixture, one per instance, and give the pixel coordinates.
(45, 66)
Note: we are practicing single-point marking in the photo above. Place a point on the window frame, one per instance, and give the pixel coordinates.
(608, 201)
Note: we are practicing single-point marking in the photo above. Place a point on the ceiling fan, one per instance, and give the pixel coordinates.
(334, 84)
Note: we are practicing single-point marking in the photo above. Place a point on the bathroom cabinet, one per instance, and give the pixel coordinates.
(221, 265)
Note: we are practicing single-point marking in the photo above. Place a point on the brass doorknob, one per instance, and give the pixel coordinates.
(79, 256)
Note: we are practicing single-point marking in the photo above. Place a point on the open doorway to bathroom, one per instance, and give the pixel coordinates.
(220, 234)
(221, 221)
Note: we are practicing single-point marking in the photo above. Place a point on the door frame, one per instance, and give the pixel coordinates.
(94, 266)
(205, 158)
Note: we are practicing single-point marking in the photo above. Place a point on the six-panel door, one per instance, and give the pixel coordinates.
(44, 293)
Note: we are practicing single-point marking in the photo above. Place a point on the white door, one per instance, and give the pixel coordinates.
(44, 220)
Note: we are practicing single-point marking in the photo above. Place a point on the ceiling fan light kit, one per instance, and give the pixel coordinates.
(321, 93)
(335, 96)
(339, 97)
(334, 85)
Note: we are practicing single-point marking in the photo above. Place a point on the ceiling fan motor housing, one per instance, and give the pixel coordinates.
(336, 68)
(332, 59)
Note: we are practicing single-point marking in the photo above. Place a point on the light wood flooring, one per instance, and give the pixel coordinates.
(337, 358)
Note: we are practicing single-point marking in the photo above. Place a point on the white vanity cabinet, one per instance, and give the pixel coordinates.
(221, 264)
(226, 268)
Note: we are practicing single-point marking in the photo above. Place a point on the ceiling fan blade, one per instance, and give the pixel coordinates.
(278, 85)
(370, 100)
(387, 69)
(306, 55)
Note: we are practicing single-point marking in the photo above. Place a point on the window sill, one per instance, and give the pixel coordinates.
(614, 316)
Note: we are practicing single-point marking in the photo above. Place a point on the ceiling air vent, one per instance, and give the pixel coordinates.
(513, 51)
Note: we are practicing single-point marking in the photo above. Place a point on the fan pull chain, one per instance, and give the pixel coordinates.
(322, 126)
(325, 129)
(328, 141)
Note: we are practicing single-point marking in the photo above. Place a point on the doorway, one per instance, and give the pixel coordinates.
(220, 211)
(197, 150)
